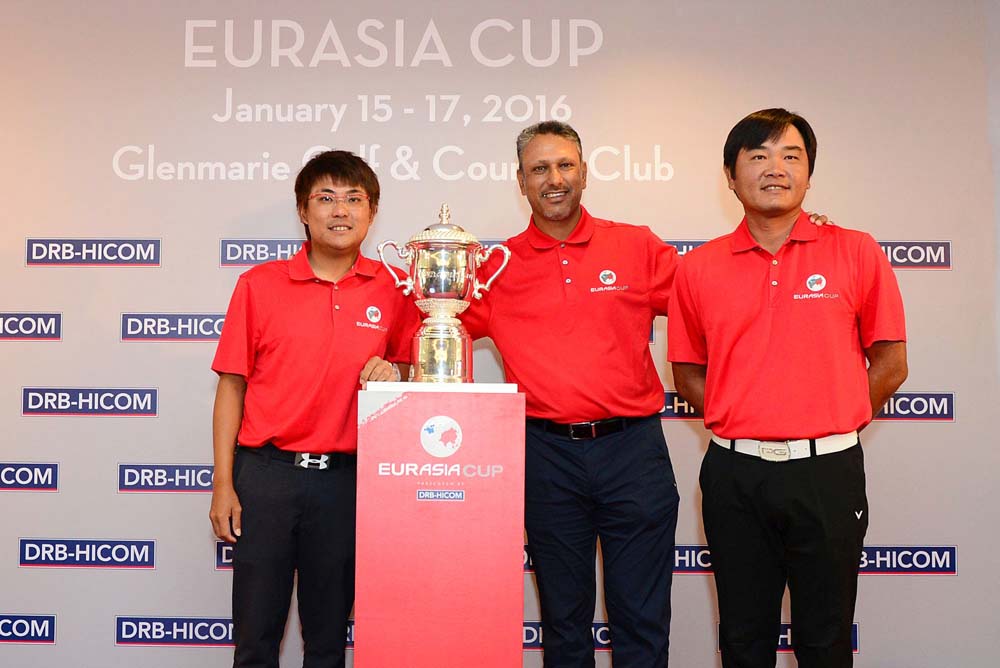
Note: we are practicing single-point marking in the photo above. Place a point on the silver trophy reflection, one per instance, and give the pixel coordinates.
(443, 260)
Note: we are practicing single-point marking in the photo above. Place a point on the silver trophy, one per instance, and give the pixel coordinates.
(443, 260)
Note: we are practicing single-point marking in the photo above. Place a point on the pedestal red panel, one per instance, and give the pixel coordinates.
(440, 578)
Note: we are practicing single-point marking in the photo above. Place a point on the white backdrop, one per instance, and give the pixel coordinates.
(115, 115)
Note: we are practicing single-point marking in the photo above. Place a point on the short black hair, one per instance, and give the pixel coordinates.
(766, 125)
(342, 166)
(557, 128)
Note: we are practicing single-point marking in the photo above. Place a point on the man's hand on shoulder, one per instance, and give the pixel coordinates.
(819, 219)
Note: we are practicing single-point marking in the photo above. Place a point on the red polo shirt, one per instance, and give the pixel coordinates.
(571, 319)
(301, 343)
(783, 336)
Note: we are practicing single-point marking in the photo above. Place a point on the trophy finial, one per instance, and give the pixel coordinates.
(444, 216)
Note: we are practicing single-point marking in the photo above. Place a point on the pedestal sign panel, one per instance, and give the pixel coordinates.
(440, 570)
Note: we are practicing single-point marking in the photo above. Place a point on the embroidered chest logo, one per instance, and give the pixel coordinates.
(609, 280)
(816, 282)
(374, 315)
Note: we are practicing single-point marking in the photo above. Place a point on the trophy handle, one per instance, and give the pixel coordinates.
(404, 255)
(481, 256)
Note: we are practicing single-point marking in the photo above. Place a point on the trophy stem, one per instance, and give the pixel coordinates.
(441, 352)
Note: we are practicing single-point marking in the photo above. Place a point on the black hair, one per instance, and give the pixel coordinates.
(766, 125)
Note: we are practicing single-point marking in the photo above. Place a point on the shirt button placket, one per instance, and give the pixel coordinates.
(564, 266)
(773, 280)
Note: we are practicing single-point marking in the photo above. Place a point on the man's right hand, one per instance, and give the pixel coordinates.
(226, 513)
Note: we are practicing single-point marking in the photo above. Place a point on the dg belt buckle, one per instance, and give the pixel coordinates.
(310, 461)
(774, 451)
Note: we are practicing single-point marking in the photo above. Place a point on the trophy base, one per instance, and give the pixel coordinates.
(441, 352)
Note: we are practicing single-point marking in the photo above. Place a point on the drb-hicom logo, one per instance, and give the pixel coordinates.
(531, 636)
(35, 477)
(441, 436)
(685, 245)
(174, 631)
(249, 252)
(172, 326)
(440, 495)
(223, 556)
(30, 326)
(92, 252)
(692, 560)
(676, 408)
(165, 477)
(90, 401)
(86, 553)
(785, 645)
(919, 407)
(875, 560)
(30, 629)
(184, 631)
(909, 560)
(918, 254)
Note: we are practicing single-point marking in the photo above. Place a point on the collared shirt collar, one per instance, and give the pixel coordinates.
(581, 234)
(299, 268)
(802, 230)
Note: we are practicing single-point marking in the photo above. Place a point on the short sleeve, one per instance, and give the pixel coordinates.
(685, 331)
(236, 350)
(881, 316)
(663, 260)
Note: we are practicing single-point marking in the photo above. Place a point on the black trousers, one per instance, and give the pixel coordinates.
(293, 520)
(620, 488)
(800, 522)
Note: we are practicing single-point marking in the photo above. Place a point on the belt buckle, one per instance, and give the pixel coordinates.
(590, 431)
(774, 451)
(307, 461)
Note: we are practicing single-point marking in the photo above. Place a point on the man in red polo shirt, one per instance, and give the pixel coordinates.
(571, 318)
(788, 338)
(301, 336)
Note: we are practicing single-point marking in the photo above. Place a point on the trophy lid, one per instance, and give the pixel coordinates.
(444, 231)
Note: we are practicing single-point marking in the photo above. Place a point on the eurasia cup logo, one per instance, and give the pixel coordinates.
(607, 277)
(441, 436)
(373, 314)
(816, 282)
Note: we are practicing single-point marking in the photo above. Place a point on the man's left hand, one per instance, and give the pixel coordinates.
(378, 370)
(819, 219)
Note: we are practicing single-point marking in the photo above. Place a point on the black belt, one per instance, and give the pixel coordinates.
(580, 431)
(305, 460)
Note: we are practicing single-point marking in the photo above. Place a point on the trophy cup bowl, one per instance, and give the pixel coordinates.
(443, 259)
